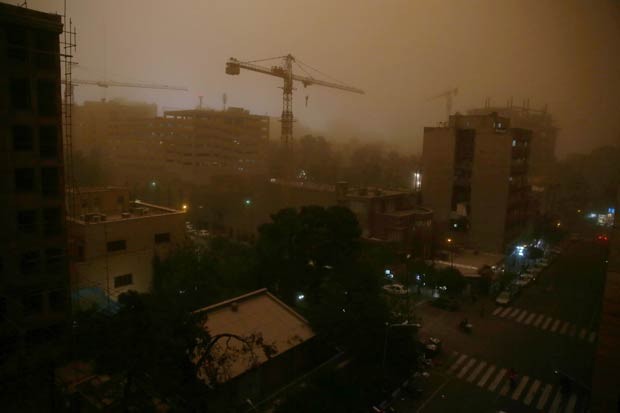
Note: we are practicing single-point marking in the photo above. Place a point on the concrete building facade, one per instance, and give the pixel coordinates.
(475, 180)
(34, 276)
(95, 123)
(544, 135)
(114, 241)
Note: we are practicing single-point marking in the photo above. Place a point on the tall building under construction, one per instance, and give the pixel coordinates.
(33, 267)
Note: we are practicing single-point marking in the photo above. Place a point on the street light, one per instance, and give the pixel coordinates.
(451, 252)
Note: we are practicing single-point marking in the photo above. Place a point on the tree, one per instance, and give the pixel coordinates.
(298, 246)
(147, 344)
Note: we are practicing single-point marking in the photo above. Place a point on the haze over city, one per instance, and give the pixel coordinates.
(563, 54)
(282, 206)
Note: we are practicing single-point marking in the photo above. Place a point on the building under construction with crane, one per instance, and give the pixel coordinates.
(285, 72)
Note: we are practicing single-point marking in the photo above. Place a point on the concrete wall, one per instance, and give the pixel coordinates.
(489, 193)
(437, 172)
(98, 267)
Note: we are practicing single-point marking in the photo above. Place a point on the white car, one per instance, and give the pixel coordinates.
(504, 298)
(396, 289)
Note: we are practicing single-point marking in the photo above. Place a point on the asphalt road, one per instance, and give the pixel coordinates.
(551, 326)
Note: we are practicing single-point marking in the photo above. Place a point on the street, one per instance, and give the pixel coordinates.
(550, 327)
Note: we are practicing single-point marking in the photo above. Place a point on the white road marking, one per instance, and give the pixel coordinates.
(531, 393)
(547, 322)
(505, 388)
(582, 333)
(570, 407)
(457, 363)
(514, 312)
(539, 320)
(592, 337)
(506, 311)
(486, 376)
(530, 319)
(573, 331)
(565, 328)
(497, 310)
(522, 316)
(556, 324)
(556, 403)
(476, 371)
(497, 379)
(466, 367)
(543, 397)
(517, 393)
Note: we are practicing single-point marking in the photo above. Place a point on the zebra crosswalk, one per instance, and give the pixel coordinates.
(528, 390)
(545, 323)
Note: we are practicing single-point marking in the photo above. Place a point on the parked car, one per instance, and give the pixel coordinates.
(445, 303)
(504, 298)
(203, 233)
(396, 289)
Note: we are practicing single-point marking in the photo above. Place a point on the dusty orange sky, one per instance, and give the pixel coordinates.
(564, 53)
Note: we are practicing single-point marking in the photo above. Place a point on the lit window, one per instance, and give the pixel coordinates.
(514, 143)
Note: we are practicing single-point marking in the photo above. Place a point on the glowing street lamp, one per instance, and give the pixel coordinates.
(184, 207)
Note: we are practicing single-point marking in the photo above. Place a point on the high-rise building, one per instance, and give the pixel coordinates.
(194, 147)
(95, 123)
(34, 276)
(475, 180)
(544, 135)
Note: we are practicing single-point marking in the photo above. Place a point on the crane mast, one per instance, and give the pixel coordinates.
(285, 72)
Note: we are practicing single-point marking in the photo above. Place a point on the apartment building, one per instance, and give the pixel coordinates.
(34, 274)
(187, 148)
(390, 215)
(475, 179)
(544, 135)
(95, 123)
(114, 241)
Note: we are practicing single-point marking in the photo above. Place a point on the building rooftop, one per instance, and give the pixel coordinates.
(469, 262)
(258, 312)
(137, 210)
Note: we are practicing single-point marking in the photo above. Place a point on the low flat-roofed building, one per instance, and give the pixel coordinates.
(288, 333)
(113, 244)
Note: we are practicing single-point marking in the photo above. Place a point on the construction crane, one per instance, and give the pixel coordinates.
(285, 72)
(448, 95)
(107, 83)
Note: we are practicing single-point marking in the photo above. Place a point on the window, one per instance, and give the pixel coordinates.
(33, 304)
(52, 221)
(514, 143)
(24, 179)
(48, 141)
(119, 245)
(30, 262)
(22, 138)
(123, 280)
(162, 238)
(120, 200)
(27, 221)
(46, 97)
(54, 260)
(58, 300)
(50, 181)
(20, 94)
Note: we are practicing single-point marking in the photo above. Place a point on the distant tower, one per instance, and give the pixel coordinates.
(200, 102)
(224, 100)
